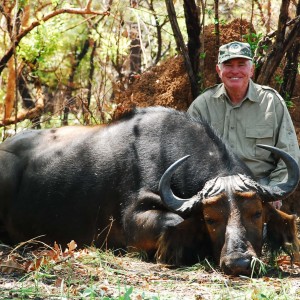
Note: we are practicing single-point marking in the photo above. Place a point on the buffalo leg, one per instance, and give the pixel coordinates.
(146, 221)
(147, 226)
(183, 244)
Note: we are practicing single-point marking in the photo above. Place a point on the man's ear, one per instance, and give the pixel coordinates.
(218, 70)
(252, 70)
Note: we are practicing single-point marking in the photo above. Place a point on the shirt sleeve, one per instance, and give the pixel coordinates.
(286, 140)
(194, 109)
(198, 108)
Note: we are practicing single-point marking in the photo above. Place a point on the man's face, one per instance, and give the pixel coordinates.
(236, 73)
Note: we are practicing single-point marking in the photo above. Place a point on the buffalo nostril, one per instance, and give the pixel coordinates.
(239, 266)
(243, 263)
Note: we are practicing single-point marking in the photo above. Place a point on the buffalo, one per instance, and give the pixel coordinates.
(156, 181)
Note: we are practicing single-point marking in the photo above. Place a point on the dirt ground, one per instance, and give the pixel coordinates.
(167, 84)
(53, 274)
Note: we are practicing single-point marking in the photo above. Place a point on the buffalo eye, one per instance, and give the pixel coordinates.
(210, 221)
(257, 215)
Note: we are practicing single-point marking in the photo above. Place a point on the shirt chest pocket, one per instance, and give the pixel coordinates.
(260, 134)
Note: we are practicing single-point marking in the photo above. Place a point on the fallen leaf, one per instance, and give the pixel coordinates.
(59, 282)
(11, 266)
(70, 250)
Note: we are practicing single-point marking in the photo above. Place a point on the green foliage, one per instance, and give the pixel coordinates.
(288, 101)
(209, 12)
(258, 267)
(50, 48)
(56, 3)
(91, 293)
(278, 79)
(253, 39)
(41, 44)
(22, 3)
(49, 52)
(94, 274)
(202, 55)
(127, 294)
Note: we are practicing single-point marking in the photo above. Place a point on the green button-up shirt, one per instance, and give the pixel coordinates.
(261, 118)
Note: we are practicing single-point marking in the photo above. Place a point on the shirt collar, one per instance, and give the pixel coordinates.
(251, 93)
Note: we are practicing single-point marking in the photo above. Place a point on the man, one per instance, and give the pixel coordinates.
(246, 114)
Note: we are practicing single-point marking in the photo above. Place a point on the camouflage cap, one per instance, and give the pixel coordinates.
(234, 50)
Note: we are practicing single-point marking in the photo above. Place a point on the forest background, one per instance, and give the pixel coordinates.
(77, 61)
(87, 62)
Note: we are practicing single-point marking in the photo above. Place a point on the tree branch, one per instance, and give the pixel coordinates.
(18, 38)
(284, 39)
(27, 114)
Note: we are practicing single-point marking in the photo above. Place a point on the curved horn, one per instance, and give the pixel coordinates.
(283, 190)
(171, 201)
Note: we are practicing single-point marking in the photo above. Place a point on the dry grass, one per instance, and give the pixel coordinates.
(50, 273)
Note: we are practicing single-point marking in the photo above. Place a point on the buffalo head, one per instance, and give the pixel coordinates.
(236, 214)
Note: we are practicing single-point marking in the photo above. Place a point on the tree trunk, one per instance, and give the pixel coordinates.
(290, 72)
(86, 104)
(27, 100)
(135, 55)
(217, 31)
(181, 46)
(69, 97)
(284, 41)
(268, 24)
(192, 20)
(10, 92)
(201, 5)
(291, 68)
(158, 27)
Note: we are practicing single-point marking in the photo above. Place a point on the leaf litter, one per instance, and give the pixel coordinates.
(53, 273)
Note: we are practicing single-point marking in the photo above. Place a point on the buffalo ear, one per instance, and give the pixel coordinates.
(282, 232)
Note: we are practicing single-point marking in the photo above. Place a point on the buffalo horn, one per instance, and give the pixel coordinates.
(172, 202)
(284, 189)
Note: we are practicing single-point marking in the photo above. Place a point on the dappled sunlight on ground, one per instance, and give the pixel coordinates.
(90, 273)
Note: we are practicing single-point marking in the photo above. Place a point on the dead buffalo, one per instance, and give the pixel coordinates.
(111, 186)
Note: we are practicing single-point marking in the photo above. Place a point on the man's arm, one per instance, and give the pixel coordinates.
(287, 141)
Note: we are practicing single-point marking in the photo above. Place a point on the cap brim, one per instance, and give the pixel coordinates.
(234, 56)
